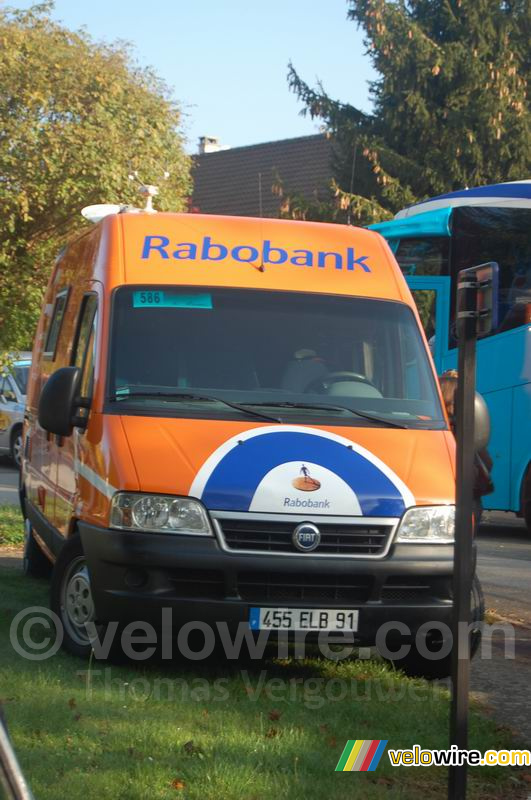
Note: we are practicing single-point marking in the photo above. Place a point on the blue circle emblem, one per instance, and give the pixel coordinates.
(306, 537)
(255, 471)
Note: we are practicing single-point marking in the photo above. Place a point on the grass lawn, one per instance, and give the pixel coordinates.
(213, 731)
(11, 527)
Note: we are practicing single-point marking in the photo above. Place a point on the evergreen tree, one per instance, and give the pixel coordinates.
(449, 107)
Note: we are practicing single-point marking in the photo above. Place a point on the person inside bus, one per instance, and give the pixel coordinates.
(482, 460)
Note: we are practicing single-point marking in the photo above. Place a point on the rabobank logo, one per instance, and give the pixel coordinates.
(292, 469)
(159, 247)
(304, 481)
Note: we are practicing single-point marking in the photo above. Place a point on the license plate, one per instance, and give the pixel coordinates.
(303, 619)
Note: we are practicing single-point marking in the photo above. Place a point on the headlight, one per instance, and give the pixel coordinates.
(159, 513)
(428, 524)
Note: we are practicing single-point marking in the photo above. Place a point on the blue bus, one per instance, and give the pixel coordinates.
(432, 241)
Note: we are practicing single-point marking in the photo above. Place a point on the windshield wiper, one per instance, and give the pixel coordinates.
(194, 396)
(329, 407)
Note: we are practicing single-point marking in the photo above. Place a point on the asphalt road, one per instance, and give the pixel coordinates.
(8, 483)
(501, 675)
(504, 566)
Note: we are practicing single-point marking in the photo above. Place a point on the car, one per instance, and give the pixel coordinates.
(13, 383)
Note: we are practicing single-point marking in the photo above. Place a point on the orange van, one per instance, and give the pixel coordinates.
(238, 420)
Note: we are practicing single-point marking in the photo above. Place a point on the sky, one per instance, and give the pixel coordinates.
(226, 60)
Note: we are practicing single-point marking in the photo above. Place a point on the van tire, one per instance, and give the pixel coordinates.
(417, 666)
(34, 563)
(71, 597)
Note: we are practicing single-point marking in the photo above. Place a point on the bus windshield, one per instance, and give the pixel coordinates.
(176, 350)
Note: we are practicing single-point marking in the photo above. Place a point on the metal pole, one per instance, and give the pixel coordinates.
(463, 552)
(11, 778)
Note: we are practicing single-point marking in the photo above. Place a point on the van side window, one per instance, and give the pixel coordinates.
(83, 354)
(55, 324)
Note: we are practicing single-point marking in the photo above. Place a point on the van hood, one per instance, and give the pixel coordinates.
(237, 466)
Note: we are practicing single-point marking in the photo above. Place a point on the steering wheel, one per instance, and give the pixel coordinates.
(335, 377)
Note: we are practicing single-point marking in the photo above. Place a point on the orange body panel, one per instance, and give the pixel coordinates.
(372, 271)
(168, 453)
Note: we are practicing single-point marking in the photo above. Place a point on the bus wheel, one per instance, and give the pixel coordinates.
(417, 665)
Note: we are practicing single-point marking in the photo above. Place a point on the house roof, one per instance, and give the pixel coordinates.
(227, 181)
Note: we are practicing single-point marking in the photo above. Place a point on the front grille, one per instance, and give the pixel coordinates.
(204, 583)
(413, 589)
(258, 587)
(275, 537)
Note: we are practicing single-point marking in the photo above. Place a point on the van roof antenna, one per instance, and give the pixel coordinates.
(147, 190)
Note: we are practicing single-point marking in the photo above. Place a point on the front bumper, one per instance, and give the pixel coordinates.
(135, 575)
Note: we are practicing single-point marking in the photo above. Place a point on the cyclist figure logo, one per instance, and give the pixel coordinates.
(304, 482)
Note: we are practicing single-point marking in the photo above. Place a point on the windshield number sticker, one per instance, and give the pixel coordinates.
(160, 299)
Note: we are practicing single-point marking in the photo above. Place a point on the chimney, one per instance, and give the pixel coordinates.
(209, 144)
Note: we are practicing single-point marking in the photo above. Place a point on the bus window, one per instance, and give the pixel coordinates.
(425, 300)
(426, 256)
(497, 234)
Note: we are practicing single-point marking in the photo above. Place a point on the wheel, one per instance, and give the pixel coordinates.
(71, 597)
(34, 563)
(417, 666)
(16, 446)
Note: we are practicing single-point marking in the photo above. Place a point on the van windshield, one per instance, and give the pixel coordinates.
(180, 351)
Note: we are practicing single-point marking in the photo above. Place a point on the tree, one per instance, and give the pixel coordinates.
(449, 106)
(76, 118)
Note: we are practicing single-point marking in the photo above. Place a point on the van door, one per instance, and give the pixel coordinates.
(41, 466)
(83, 355)
(432, 297)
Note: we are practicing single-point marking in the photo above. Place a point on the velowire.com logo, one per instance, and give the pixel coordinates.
(361, 755)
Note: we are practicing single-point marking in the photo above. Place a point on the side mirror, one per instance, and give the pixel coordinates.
(59, 401)
(481, 423)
